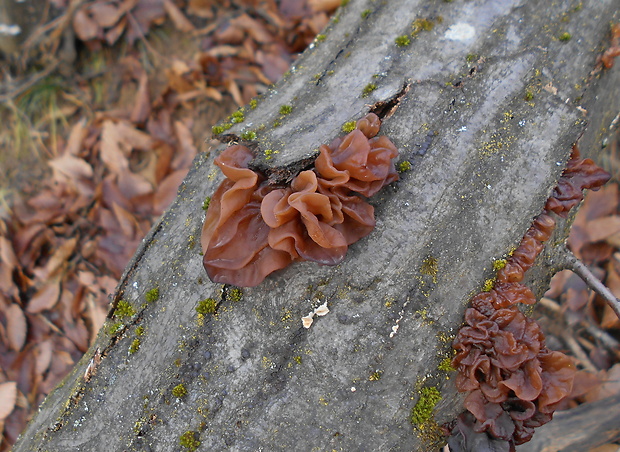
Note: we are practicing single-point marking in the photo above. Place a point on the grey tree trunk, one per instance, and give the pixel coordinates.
(496, 93)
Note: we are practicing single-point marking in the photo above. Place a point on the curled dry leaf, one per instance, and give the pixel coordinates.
(85, 28)
(179, 20)
(72, 167)
(16, 327)
(105, 14)
(8, 397)
(76, 138)
(45, 298)
(43, 356)
(602, 228)
(58, 260)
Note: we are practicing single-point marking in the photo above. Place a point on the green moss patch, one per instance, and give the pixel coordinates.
(422, 412)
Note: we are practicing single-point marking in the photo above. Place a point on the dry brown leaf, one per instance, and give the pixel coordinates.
(134, 138)
(167, 191)
(186, 151)
(142, 106)
(600, 203)
(324, 5)
(86, 278)
(44, 353)
(609, 387)
(105, 14)
(107, 283)
(254, 28)
(7, 255)
(58, 260)
(126, 220)
(601, 228)
(234, 91)
(45, 298)
(201, 8)
(8, 397)
(610, 318)
(16, 327)
(179, 20)
(76, 137)
(110, 152)
(132, 185)
(614, 240)
(97, 315)
(72, 167)
(85, 28)
(112, 35)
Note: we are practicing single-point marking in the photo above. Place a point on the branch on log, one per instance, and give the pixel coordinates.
(487, 122)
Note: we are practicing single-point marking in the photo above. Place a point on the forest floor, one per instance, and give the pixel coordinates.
(103, 109)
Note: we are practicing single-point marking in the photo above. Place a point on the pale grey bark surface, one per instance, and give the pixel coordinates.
(484, 159)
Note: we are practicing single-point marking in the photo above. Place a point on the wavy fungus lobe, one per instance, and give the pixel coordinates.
(253, 229)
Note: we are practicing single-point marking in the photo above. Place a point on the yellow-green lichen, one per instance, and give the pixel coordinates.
(237, 117)
(206, 202)
(190, 440)
(206, 306)
(565, 37)
(297, 359)
(344, 2)
(368, 89)
(179, 391)
(320, 38)
(498, 264)
(135, 346)
(471, 57)
(269, 153)
(402, 41)
(365, 13)
(528, 96)
(234, 294)
(430, 266)
(422, 411)
(446, 365)
(420, 25)
(124, 309)
(277, 123)
(253, 104)
(488, 285)
(349, 126)
(152, 295)
(375, 376)
(140, 331)
(404, 166)
(248, 135)
(217, 130)
(115, 328)
(285, 109)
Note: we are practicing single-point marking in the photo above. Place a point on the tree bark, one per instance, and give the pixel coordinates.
(485, 106)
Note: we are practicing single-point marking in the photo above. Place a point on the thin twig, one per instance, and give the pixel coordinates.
(578, 352)
(580, 269)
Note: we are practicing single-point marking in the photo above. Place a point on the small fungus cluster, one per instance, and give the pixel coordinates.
(614, 49)
(515, 381)
(253, 228)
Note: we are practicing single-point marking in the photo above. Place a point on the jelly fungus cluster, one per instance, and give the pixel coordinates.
(253, 228)
(515, 381)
